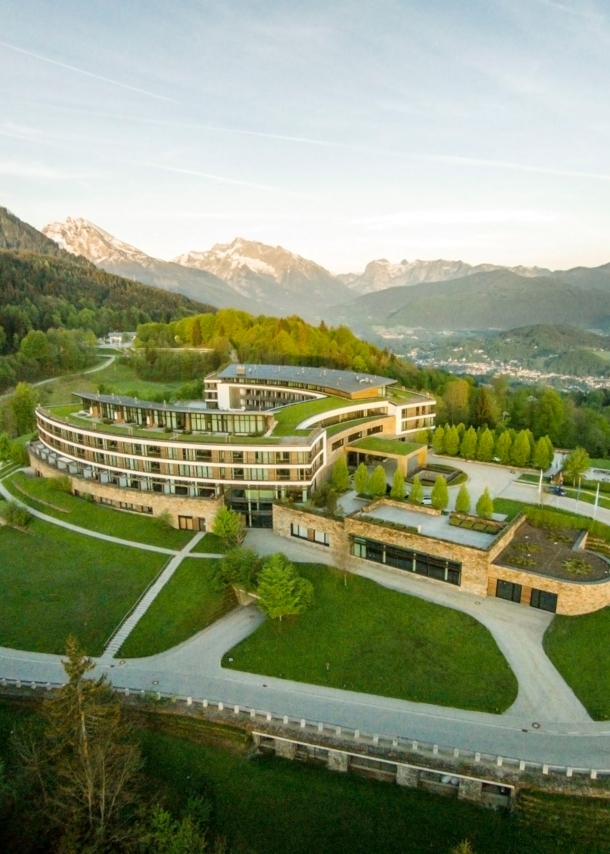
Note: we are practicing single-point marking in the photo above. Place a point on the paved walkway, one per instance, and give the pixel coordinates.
(86, 531)
(149, 596)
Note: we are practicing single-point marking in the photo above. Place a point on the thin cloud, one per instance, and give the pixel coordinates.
(580, 13)
(89, 74)
(440, 217)
(29, 170)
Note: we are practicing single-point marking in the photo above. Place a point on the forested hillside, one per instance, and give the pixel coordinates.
(285, 341)
(53, 292)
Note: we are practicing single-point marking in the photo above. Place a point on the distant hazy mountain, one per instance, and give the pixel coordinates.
(380, 275)
(80, 237)
(499, 299)
(270, 275)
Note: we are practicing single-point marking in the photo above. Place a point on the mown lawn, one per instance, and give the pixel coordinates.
(379, 641)
(54, 583)
(579, 649)
(41, 495)
(186, 605)
(210, 544)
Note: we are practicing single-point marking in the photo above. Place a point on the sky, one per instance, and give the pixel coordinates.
(473, 130)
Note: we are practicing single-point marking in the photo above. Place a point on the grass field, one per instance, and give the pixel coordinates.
(40, 494)
(601, 464)
(379, 641)
(186, 605)
(210, 544)
(55, 583)
(578, 648)
(265, 805)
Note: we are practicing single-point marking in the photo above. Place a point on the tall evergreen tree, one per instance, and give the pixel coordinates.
(485, 445)
(541, 458)
(416, 494)
(485, 412)
(440, 493)
(340, 475)
(438, 440)
(462, 502)
(485, 505)
(521, 450)
(361, 479)
(468, 446)
(377, 483)
(452, 441)
(398, 486)
(504, 447)
(281, 591)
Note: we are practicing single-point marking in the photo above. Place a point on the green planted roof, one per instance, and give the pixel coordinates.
(391, 447)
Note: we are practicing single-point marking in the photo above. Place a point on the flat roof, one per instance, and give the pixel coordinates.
(347, 382)
(391, 447)
(184, 406)
(436, 527)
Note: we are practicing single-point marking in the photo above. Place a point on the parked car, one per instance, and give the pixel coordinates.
(427, 501)
(557, 490)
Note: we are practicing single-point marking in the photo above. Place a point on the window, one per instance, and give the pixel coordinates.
(321, 537)
(299, 531)
(430, 566)
(509, 591)
(544, 600)
(185, 523)
(283, 474)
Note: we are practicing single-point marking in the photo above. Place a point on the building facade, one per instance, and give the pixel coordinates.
(263, 433)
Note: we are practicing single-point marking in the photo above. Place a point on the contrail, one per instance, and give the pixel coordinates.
(224, 180)
(90, 74)
(381, 152)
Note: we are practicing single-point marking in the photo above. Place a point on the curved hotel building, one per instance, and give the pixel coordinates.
(263, 432)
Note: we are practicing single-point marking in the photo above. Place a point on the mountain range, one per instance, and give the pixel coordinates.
(440, 294)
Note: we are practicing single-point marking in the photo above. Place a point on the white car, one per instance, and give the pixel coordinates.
(426, 501)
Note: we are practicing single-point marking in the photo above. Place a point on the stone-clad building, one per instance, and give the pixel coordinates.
(263, 433)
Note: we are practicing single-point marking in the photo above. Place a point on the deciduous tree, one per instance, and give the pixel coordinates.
(576, 464)
(229, 526)
(23, 404)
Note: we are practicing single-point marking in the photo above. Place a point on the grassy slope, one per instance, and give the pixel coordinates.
(95, 517)
(186, 605)
(381, 642)
(55, 583)
(578, 648)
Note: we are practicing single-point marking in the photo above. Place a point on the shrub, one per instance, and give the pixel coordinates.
(417, 491)
(164, 520)
(16, 515)
(61, 483)
(398, 486)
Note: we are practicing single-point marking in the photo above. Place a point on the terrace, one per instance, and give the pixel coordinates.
(554, 552)
(428, 524)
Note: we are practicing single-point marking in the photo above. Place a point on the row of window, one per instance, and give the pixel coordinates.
(542, 599)
(353, 437)
(408, 560)
(208, 422)
(311, 534)
(176, 452)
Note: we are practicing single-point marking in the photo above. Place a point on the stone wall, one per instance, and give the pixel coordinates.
(176, 505)
(479, 574)
(573, 597)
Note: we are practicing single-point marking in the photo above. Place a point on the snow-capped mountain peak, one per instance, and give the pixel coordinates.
(81, 237)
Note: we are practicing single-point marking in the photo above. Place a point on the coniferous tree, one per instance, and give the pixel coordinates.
(340, 475)
(377, 483)
(398, 486)
(504, 447)
(229, 526)
(452, 441)
(281, 591)
(440, 493)
(462, 502)
(485, 446)
(521, 449)
(438, 440)
(468, 446)
(416, 494)
(485, 505)
(361, 479)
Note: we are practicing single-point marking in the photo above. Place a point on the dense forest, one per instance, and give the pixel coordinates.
(567, 419)
(52, 293)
